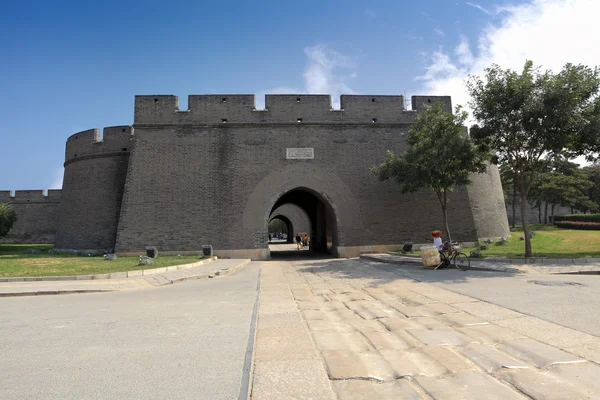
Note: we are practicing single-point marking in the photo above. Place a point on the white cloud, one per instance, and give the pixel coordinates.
(57, 178)
(549, 32)
(439, 32)
(322, 75)
(480, 8)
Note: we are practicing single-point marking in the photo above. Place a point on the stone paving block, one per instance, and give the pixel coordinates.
(280, 344)
(324, 306)
(295, 379)
(488, 358)
(365, 390)
(419, 362)
(409, 297)
(318, 325)
(445, 356)
(363, 325)
(395, 340)
(442, 337)
(350, 296)
(488, 311)
(280, 320)
(434, 309)
(542, 385)
(401, 324)
(372, 309)
(585, 376)
(340, 341)
(462, 319)
(467, 385)
(276, 307)
(344, 364)
(437, 294)
(490, 334)
(539, 354)
(341, 314)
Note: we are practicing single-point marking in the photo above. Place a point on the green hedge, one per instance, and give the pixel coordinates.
(589, 226)
(577, 217)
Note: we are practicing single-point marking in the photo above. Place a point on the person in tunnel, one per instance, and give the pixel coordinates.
(298, 241)
(305, 240)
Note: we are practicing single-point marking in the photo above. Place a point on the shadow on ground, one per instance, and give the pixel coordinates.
(383, 273)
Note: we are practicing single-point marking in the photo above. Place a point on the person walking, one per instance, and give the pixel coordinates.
(305, 240)
(298, 241)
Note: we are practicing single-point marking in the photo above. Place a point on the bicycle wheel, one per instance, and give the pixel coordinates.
(461, 261)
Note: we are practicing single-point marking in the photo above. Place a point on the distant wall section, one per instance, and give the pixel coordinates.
(37, 216)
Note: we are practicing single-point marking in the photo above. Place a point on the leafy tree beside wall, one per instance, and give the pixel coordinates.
(523, 117)
(8, 217)
(440, 156)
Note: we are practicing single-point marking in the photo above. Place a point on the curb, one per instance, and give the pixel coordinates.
(418, 261)
(52, 292)
(113, 275)
(209, 275)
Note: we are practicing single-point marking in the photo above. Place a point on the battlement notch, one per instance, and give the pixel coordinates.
(279, 108)
(116, 139)
(420, 103)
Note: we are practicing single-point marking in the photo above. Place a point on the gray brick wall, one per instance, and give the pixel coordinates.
(194, 180)
(37, 216)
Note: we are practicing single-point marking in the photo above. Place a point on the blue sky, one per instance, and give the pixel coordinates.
(68, 66)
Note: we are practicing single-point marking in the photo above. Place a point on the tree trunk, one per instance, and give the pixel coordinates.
(546, 214)
(528, 252)
(514, 201)
(540, 213)
(552, 218)
(445, 211)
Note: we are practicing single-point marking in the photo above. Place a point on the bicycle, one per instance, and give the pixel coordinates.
(454, 257)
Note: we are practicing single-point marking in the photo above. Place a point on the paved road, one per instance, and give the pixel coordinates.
(573, 306)
(179, 341)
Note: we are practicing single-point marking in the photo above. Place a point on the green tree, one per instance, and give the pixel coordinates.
(523, 117)
(8, 217)
(593, 174)
(439, 156)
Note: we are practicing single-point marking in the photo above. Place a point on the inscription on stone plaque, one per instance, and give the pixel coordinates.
(295, 153)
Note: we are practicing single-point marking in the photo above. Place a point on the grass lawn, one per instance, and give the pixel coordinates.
(548, 241)
(14, 262)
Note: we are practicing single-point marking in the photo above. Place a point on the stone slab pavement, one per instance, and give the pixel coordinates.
(585, 266)
(343, 329)
(205, 271)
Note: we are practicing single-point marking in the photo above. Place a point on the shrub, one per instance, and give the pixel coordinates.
(592, 226)
(577, 217)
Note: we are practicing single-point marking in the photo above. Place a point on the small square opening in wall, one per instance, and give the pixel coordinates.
(373, 100)
(299, 120)
(429, 100)
(123, 129)
(124, 149)
(298, 100)
(224, 120)
(374, 120)
(156, 100)
(224, 100)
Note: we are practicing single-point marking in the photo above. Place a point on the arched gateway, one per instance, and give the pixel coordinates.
(215, 173)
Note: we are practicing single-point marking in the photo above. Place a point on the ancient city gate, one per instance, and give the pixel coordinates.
(215, 174)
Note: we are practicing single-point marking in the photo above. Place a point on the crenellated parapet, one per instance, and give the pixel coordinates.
(115, 140)
(420, 103)
(279, 108)
(30, 196)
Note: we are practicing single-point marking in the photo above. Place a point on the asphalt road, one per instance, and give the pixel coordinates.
(574, 305)
(181, 341)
